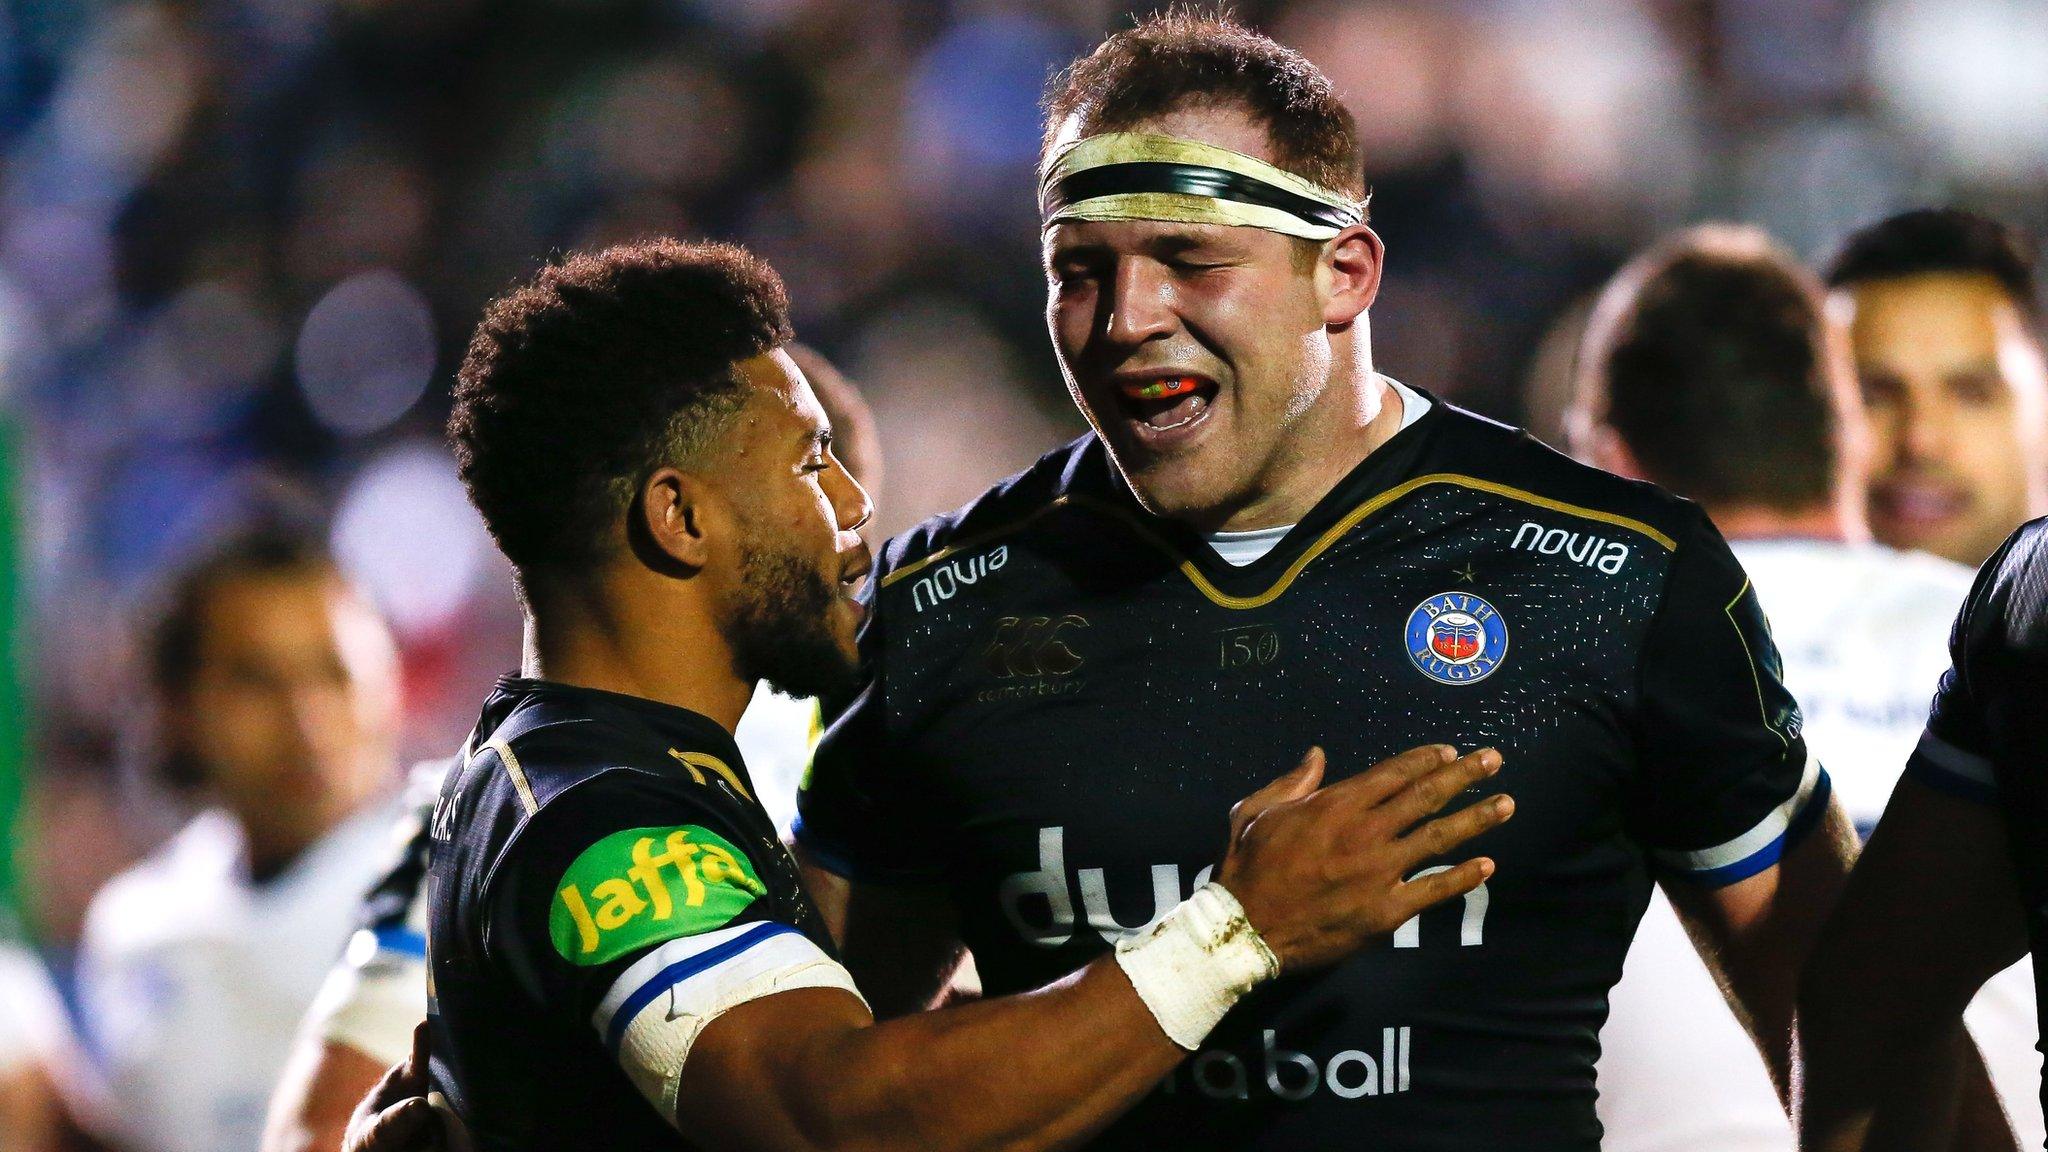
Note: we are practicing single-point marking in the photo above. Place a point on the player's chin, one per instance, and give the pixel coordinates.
(847, 617)
(1182, 488)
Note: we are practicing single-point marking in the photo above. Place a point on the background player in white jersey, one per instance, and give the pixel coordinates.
(375, 995)
(1944, 323)
(1709, 369)
(32, 1038)
(276, 690)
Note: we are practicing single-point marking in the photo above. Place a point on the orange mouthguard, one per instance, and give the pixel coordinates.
(1161, 389)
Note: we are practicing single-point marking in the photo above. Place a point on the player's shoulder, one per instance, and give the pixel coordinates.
(1510, 462)
(549, 740)
(2008, 606)
(173, 893)
(557, 767)
(1078, 467)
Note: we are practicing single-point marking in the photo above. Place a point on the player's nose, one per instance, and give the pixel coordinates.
(1138, 303)
(850, 502)
(1924, 433)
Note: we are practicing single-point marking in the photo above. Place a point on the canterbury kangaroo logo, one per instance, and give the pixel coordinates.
(1032, 646)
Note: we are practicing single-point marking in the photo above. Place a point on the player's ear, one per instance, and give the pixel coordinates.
(1348, 273)
(678, 514)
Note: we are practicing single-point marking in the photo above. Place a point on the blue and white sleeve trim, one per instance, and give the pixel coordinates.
(655, 1009)
(1765, 842)
(1946, 768)
(373, 999)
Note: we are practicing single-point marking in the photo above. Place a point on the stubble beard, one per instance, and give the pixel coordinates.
(781, 630)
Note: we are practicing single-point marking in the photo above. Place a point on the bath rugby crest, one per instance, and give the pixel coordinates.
(1456, 638)
(1057, 744)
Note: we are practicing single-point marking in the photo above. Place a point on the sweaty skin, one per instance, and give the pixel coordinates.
(1318, 871)
(1957, 394)
(1289, 401)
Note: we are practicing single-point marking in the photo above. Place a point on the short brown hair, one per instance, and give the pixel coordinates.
(1184, 57)
(605, 367)
(1708, 356)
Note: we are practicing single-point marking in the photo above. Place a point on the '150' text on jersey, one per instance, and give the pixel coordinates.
(1068, 695)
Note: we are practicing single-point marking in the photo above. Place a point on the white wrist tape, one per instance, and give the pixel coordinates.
(1192, 965)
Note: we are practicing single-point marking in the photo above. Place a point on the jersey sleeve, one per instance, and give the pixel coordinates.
(1726, 782)
(376, 993)
(860, 814)
(633, 913)
(1954, 753)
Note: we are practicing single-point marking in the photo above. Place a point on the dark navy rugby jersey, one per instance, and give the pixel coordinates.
(1067, 696)
(1985, 739)
(599, 864)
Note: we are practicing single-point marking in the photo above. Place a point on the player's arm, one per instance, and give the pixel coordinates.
(900, 942)
(1757, 932)
(1930, 914)
(1316, 873)
(373, 999)
(1748, 844)
(317, 1093)
(360, 1023)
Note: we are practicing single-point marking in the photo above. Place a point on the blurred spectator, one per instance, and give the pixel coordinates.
(1945, 326)
(275, 694)
(1709, 368)
(31, 1025)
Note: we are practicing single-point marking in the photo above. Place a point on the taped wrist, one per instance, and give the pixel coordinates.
(1192, 965)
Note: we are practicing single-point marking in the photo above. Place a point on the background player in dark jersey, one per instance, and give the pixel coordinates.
(612, 917)
(1945, 326)
(1952, 888)
(1265, 537)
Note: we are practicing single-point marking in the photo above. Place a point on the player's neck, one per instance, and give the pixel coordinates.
(591, 638)
(1833, 522)
(1348, 425)
(276, 836)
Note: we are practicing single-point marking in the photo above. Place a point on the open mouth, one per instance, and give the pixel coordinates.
(1165, 407)
(1918, 505)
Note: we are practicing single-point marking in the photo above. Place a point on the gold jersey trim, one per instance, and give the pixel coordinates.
(1755, 676)
(517, 773)
(1323, 543)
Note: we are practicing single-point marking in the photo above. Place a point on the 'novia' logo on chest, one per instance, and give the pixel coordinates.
(1579, 547)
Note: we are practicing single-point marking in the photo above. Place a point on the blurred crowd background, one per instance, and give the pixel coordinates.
(246, 239)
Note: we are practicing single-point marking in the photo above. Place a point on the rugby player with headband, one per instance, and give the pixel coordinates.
(1264, 543)
(620, 954)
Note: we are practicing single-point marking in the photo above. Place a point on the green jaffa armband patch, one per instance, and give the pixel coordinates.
(644, 886)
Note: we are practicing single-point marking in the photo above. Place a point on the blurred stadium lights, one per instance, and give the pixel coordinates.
(1970, 81)
(406, 533)
(972, 108)
(366, 352)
